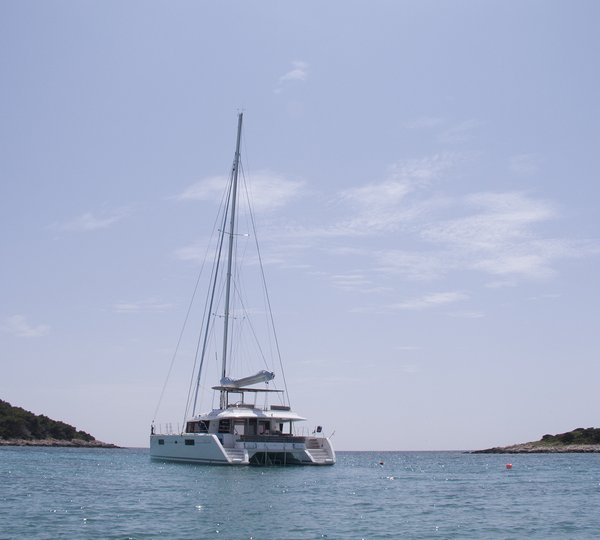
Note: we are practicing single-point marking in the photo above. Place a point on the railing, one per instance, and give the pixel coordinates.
(167, 429)
(272, 438)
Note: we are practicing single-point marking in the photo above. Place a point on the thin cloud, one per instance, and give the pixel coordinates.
(534, 258)
(352, 281)
(533, 265)
(403, 197)
(501, 284)
(88, 221)
(427, 234)
(524, 164)
(409, 369)
(545, 296)
(424, 122)
(498, 236)
(193, 252)
(267, 190)
(467, 314)
(431, 300)
(358, 283)
(459, 133)
(143, 306)
(416, 266)
(493, 219)
(298, 73)
(208, 189)
(18, 326)
(384, 206)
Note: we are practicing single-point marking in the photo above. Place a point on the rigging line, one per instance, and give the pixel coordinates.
(203, 317)
(185, 321)
(188, 399)
(266, 292)
(254, 334)
(202, 386)
(225, 202)
(187, 315)
(209, 305)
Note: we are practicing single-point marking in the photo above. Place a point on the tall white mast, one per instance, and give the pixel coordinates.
(234, 173)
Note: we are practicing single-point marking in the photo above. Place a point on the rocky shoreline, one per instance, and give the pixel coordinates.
(73, 443)
(533, 448)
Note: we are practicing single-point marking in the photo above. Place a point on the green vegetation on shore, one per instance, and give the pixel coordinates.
(17, 423)
(577, 436)
(578, 440)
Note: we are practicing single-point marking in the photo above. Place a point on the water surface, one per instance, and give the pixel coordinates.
(120, 494)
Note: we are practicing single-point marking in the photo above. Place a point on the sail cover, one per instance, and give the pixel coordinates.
(261, 376)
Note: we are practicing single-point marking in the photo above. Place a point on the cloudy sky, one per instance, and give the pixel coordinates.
(426, 184)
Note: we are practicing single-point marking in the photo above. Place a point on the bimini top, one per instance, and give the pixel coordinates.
(247, 412)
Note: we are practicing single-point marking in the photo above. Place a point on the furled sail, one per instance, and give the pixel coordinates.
(261, 376)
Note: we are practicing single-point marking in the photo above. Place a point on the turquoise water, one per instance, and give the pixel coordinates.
(120, 494)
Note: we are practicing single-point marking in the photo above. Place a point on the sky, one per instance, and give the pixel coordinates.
(426, 186)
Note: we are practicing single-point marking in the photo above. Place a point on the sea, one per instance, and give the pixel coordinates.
(122, 494)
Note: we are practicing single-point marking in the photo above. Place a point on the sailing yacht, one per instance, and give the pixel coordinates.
(254, 423)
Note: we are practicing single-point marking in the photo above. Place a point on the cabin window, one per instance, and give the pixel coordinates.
(224, 426)
(161, 441)
(197, 427)
(190, 442)
(239, 427)
(251, 426)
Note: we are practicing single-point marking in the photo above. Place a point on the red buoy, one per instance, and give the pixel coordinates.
(509, 465)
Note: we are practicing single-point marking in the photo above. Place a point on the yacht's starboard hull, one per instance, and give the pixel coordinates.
(207, 448)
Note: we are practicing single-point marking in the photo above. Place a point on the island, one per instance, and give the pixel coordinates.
(19, 427)
(580, 440)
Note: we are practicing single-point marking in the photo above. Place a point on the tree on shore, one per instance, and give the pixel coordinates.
(17, 423)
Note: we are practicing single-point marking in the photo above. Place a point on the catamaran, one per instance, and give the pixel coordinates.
(247, 427)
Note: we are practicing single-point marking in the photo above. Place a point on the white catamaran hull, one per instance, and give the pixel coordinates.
(209, 449)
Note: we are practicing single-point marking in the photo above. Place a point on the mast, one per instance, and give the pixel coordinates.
(234, 173)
